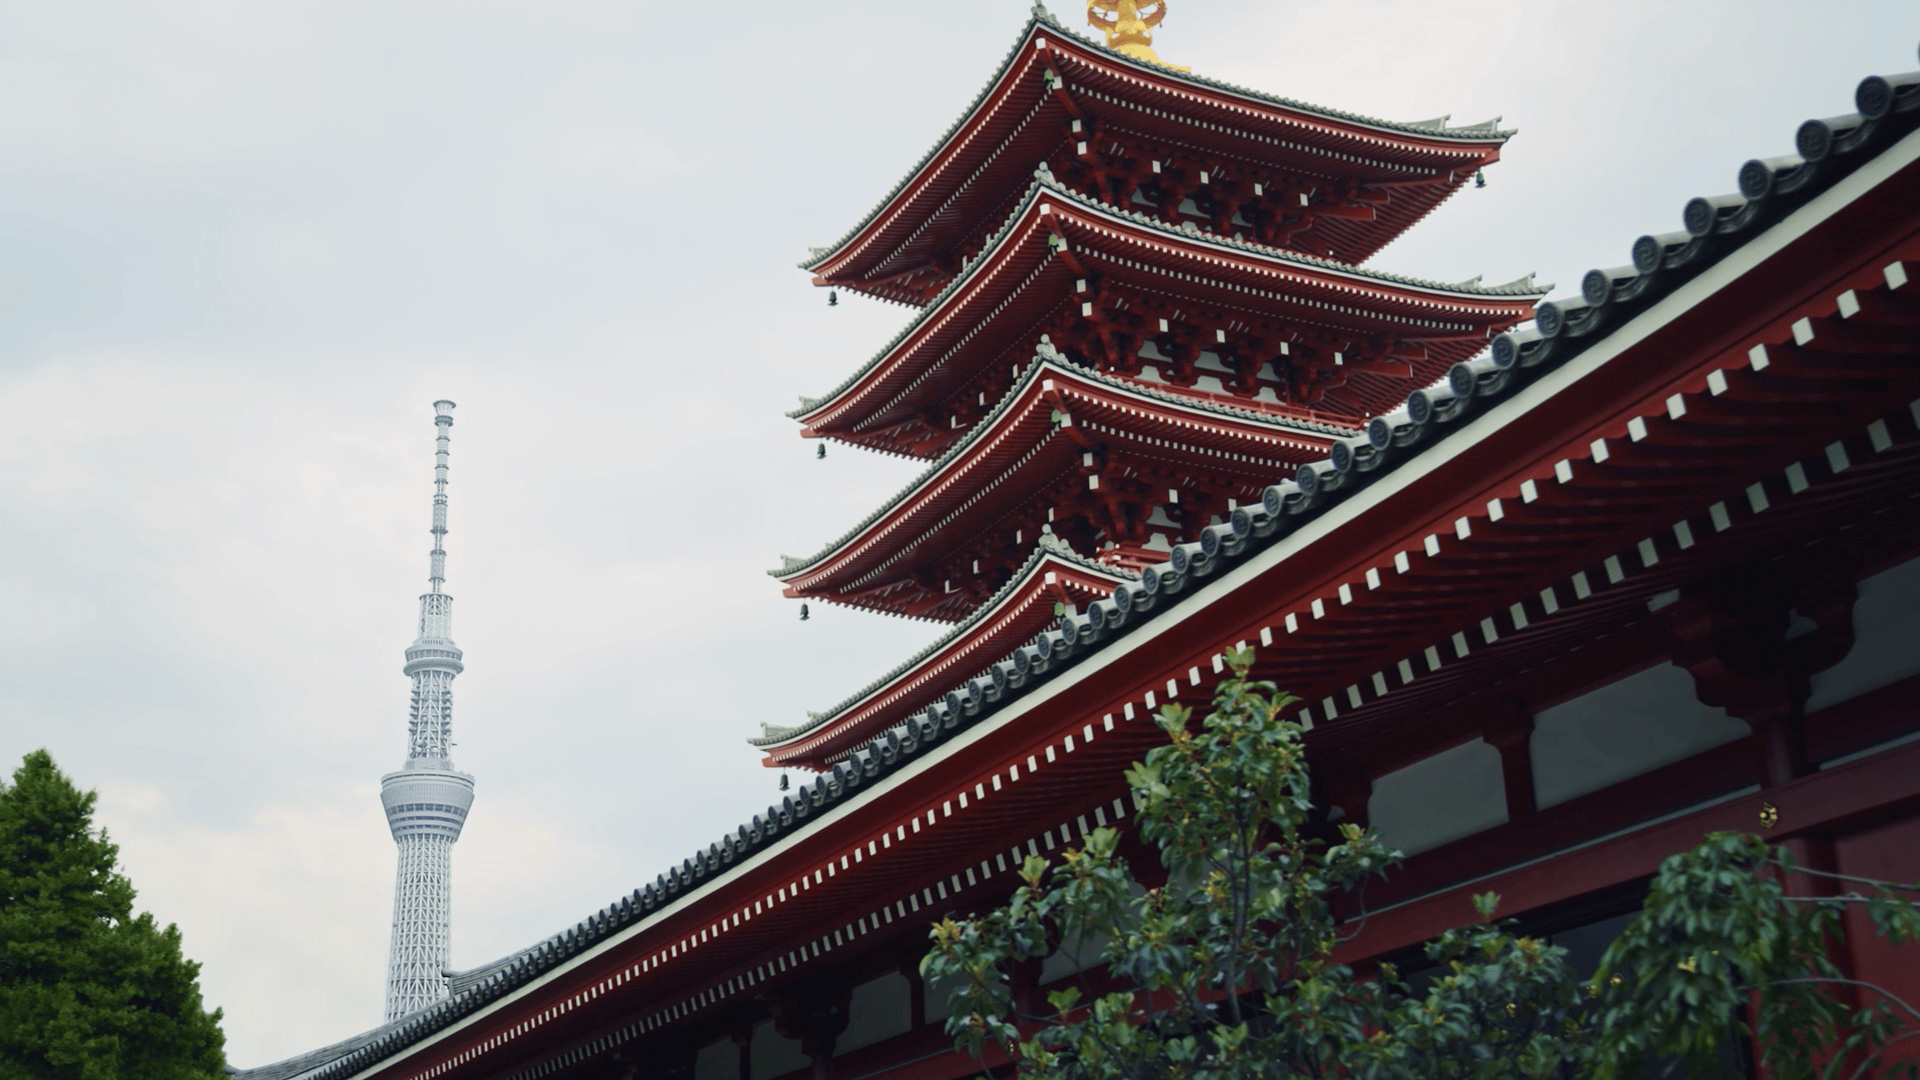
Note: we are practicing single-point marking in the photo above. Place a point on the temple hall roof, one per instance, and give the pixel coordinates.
(1715, 234)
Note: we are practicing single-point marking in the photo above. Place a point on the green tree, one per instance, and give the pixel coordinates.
(88, 990)
(1719, 936)
(1225, 969)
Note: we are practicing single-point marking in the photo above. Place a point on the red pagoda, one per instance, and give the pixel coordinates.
(1560, 598)
(1139, 306)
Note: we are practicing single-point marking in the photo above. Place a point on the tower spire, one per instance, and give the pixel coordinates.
(427, 801)
(442, 419)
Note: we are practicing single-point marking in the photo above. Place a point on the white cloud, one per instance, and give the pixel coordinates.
(613, 153)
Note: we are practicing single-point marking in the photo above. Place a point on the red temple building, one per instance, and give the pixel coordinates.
(1564, 585)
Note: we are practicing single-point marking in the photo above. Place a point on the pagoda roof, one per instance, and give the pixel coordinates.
(1672, 276)
(1016, 119)
(1024, 273)
(1021, 438)
(1022, 608)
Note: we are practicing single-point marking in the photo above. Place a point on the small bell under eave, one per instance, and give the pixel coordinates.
(783, 781)
(833, 298)
(1479, 178)
(803, 613)
(820, 451)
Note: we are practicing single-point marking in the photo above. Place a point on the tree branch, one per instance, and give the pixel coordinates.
(1359, 922)
(1844, 898)
(1881, 990)
(1856, 880)
(1875, 1057)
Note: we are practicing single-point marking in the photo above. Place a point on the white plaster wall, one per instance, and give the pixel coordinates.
(774, 1054)
(717, 1061)
(1886, 632)
(1623, 729)
(879, 1009)
(1440, 799)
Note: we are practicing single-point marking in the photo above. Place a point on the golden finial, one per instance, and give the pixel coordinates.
(1129, 25)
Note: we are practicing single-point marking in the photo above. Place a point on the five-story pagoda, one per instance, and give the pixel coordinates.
(1139, 305)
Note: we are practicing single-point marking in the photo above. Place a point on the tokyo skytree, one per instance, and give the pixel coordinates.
(427, 801)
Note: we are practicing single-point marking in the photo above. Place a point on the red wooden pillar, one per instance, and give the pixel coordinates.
(916, 991)
(814, 1014)
(1752, 641)
(1024, 981)
(1511, 733)
(1346, 788)
(743, 1042)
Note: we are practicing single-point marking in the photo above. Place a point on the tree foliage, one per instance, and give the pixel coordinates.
(1225, 969)
(88, 990)
(1719, 936)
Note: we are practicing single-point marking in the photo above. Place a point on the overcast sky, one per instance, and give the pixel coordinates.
(244, 245)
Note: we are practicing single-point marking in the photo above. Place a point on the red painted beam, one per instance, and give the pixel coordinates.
(1824, 803)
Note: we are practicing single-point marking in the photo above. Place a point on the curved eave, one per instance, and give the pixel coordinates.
(973, 141)
(1013, 261)
(1014, 432)
(1021, 608)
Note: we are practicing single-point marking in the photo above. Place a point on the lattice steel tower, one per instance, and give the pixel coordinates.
(427, 801)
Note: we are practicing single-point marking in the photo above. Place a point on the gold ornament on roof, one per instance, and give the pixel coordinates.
(1129, 25)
